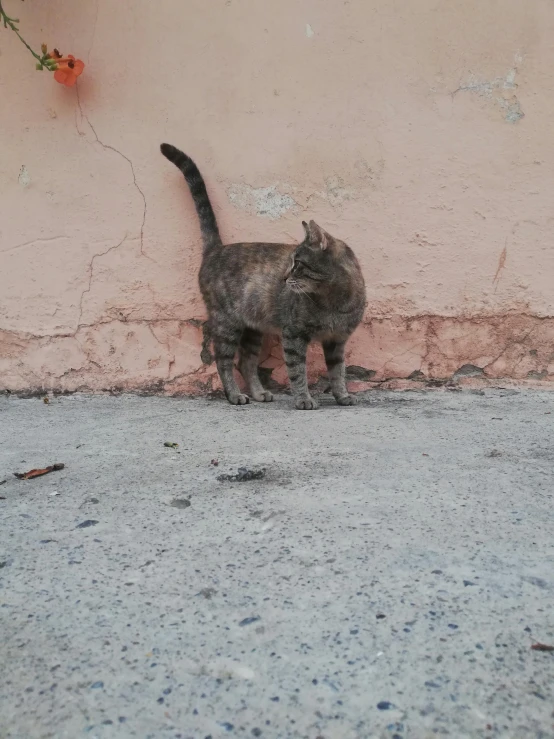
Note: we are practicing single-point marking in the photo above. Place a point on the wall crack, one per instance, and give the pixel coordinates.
(91, 275)
(124, 156)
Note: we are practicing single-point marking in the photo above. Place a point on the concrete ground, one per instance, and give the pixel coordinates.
(387, 577)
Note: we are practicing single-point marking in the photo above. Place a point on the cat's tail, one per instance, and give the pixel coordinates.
(195, 181)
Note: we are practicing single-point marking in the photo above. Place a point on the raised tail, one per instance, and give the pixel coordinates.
(195, 181)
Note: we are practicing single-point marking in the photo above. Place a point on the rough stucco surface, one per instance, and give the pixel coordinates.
(419, 132)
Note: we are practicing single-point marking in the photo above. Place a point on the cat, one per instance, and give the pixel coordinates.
(308, 291)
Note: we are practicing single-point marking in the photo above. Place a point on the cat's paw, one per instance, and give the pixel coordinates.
(264, 397)
(238, 399)
(348, 400)
(306, 404)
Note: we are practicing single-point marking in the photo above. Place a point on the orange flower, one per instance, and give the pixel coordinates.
(68, 70)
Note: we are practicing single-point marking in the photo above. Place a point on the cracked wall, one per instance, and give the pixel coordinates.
(407, 130)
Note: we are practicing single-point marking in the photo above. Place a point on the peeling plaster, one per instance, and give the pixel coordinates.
(497, 90)
(335, 192)
(173, 357)
(266, 202)
(513, 109)
(468, 370)
(24, 178)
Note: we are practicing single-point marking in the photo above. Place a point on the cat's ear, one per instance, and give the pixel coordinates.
(307, 237)
(318, 237)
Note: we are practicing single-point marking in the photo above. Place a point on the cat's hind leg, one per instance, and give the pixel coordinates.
(249, 352)
(226, 338)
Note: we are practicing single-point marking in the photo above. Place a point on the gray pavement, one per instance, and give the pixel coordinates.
(386, 577)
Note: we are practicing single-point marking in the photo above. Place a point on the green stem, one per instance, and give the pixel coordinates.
(11, 23)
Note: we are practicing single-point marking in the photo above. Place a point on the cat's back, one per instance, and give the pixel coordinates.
(245, 277)
(243, 262)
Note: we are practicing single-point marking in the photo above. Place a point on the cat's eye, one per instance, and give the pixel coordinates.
(308, 271)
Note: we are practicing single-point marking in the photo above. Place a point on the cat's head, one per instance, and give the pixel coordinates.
(319, 263)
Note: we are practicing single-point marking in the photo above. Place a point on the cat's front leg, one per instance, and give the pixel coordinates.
(295, 346)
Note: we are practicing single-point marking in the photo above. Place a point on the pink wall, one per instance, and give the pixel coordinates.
(420, 132)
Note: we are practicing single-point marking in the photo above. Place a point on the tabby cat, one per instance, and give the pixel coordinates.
(311, 291)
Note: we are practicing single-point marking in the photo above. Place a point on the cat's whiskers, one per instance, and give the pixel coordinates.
(299, 290)
(304, 292)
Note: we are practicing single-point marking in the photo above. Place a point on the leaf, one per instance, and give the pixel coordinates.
(538, 647)
(38, 472)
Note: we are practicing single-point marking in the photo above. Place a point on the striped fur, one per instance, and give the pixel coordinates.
(197, 186)
(305, 292)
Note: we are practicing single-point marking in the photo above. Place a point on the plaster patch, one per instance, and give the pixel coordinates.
(512, 109)
(335, 192)
(309, 31)
(24, 178)
(359, 178)
(493, 90)
(266, 202)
